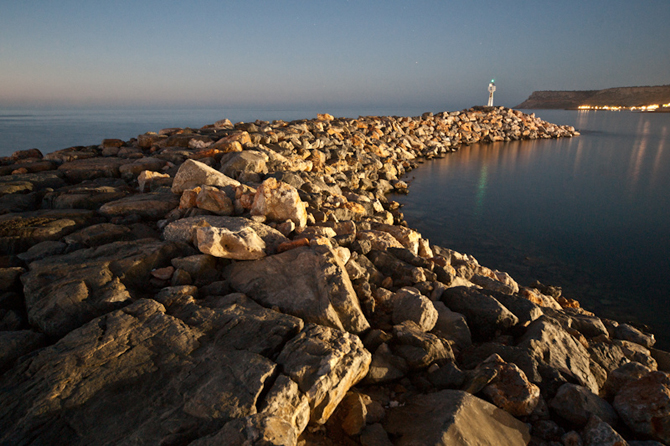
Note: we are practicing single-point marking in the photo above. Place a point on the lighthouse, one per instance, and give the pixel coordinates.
(492, 88)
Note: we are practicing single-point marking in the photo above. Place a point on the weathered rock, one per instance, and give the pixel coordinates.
(375, 435)
(244, 244)
(452, 326)
(64, 292)
(19, 232)
(310, 283)
(100, 234)
(636, 352)
(407, 238)
(453, 417)
(554, 347)
(214, 200)
(410, 305)
(522, 308)
(194, 173)
(258, 429)
(150, 178)
(14, 344)
(130, 171)
(576, 404)
(419, 349)
(512, 392)
(629, 333)
(286, 401)
(247, 161)
(644, 405)
(325, 363)
(79, 170)
(449, 376)
(599, 433)
(484, 314)
(86, 195)
(153, 205)
(279, 202)
(385, 366)
(184, 230)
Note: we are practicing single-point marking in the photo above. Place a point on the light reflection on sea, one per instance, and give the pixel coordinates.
(589, 213)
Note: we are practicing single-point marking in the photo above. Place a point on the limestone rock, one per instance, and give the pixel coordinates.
(385, 366)
(410, 305)
(325, 363)
(133, 170)
(484, 314)
(63, 292)
(551, 345)
(453, 417)
(184, 230)
(247, 161)
(512, 392)
(279, 202)
(310, 283)
(419, 349)
(286, 401)
(644, 405)
(86, 169)
(194, 173)
(153, 205)
(622, 376)
(214, 200)
(87, 195)
(599, 433)
(148, 177)
(452, 326)
(576, 404)
(244, 244)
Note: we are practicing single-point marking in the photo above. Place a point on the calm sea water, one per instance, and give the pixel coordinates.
(590, 214)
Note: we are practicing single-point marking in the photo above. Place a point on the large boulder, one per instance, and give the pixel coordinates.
(63, 292)
(554, 347)
(194, 173)
(244, 244)
(410, 305)
(644, 405)
(311, 283)
(278, 201)
(325, 363)
(484, 314)
(454, 418)
(87, 169)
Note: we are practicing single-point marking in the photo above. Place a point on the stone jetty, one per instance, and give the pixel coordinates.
(253, 284)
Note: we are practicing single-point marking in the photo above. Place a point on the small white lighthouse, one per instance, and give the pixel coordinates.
(492, 88)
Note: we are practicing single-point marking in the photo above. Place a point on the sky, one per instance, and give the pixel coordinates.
(432, 54)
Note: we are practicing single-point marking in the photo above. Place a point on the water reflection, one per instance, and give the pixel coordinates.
(587, 213)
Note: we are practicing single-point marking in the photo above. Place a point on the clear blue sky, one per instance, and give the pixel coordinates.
(432, 54)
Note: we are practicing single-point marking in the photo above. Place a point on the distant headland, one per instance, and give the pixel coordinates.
(655, 98)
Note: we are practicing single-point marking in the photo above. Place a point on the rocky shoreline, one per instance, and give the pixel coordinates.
(251, 283)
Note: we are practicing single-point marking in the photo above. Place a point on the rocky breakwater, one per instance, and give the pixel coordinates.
(252, 284)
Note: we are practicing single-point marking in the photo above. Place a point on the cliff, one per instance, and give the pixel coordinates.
(622, 96)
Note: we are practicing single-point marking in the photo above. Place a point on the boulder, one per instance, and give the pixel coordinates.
(418, 348)
(63, 292)
(278, 201)
(576, 404)
(153, 205)
(194, 173)
(14, 344)
(79, 170)
(629, 333)
(325, 363)
(214, 200)
(451, 326)
(385, 366)
(151, 178)
(453, 418)
(310, 283)
(86, 195)
(484, 314)
(621, 376)
(598, 433)
(512, 392)
(184, 230)
(132, 170)
(552, 346)
(410, 305)
(244, 244)
(247, 161)
(644, 405)
(20, 231)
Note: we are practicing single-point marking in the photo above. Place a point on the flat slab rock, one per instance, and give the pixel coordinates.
(63, 292)
(454, 418)
(310, 283)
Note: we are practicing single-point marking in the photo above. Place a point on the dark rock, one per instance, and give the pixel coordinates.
(576, 404)
(86, 195)
(79, 170)
(64, 292)
(484, 314)
(14, 344)
(598, 433)
(153, 205)
(644, 405)
(452, 326)
(385, 366)
(419, 349)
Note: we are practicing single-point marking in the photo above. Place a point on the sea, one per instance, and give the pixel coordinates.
(589, 214)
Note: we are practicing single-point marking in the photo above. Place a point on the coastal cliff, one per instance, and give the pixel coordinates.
(623, 97)
(253, 284)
